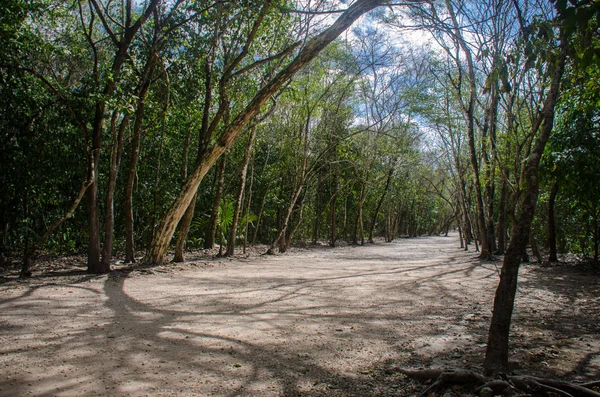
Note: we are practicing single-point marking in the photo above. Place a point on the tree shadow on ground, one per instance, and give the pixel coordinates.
(277, 332)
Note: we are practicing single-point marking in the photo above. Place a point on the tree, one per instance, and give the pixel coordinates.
(162, 238)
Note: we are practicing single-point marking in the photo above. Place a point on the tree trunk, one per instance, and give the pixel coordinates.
(184, 228)
(260, 213)
(502, 218)
(596, 231)
(157, 177)
(248, 204)
(25, 265)
(93, 255)
(361, 229)
(280, 240)
(553, 256)
(239, 199)
(469, 111)
(115, 162)
(209, 243)
(374, 219)
(496, 356)
(128, 207)
(290, 238)
(358, 227)
(318, 213)
(161, 239)
(332, 210)
(534, 248)
(135, 155)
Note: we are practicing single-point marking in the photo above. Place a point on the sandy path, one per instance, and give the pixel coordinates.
(310, 322)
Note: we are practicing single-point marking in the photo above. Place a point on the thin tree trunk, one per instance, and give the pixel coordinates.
(596, 231)
(318, 214)
(490, 167)
(115, 162)
(502, 217)
(345, 220)
(496, 356)
(209, 243)
(297, 188)
(239, 199)
(93, 255)
(332, 210)
(248, 205)
(280, 240)
(184, 228)
(128, 207)
(534, 248)
(157, 177)
(361, 229)
(469, 111)
(374, 219)
(260, 213)
(358, 218)
(553, 256)
(222, 232)
(290, 238)
(25, 265)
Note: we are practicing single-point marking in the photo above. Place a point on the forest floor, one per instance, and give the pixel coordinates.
(312, 322)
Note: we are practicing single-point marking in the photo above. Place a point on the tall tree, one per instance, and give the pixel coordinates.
(162, 238)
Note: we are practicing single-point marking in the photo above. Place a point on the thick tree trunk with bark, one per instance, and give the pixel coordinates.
(161, 239)
(496, 357)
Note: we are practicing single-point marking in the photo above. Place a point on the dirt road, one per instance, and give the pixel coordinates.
(312, 322)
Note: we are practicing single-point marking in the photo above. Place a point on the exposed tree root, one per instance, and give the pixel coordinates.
(589, 385)
(512, 386)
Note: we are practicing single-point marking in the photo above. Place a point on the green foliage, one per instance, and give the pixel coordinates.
(361, 110)
(226, 212)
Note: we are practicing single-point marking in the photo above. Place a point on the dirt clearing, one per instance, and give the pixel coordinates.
(312, 322)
